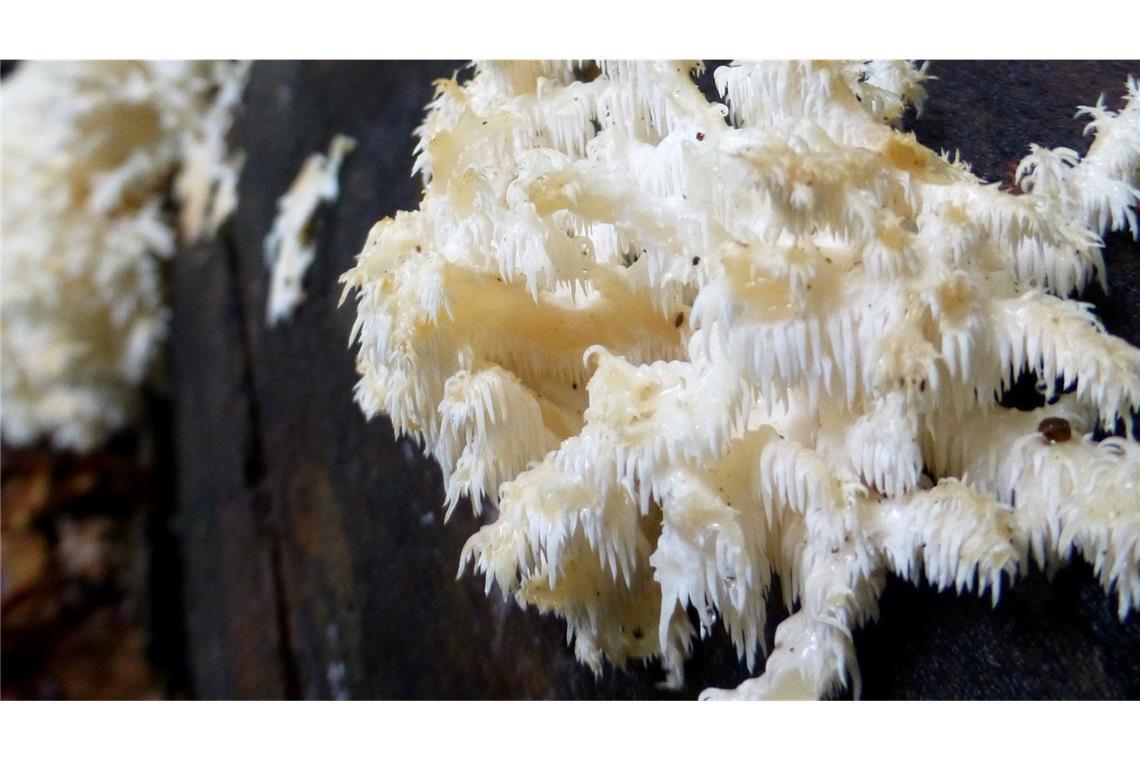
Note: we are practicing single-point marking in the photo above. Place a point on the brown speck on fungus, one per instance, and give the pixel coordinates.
(1055, 429)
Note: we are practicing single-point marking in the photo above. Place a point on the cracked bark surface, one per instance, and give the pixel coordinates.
(315, 560)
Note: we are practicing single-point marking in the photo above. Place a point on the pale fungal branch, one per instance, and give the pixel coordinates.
(206, 186)
(701, 356)
(810, 659)
(1062, 339)
(491, 428)
(956, 536)
(1070, 492)
(1081, 496)
(1099, 190)
(289, 247)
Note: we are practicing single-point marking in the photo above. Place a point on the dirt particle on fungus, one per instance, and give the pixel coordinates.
(700, 136)
(696, 260)
(1055, 429)
(680, 320)
(419, 249)
(574, 386)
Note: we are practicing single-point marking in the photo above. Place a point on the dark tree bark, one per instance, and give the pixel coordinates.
(315, 560)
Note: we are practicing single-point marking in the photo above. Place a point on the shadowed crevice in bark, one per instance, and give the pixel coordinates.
(253, 468)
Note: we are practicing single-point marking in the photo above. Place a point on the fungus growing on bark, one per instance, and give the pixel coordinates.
(89, 152)
(689, 356)
(289, 246)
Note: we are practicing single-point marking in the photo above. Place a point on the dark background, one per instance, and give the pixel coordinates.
(303, 553)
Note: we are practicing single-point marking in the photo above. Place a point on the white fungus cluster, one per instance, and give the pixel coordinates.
(89, 152)
(685, 357)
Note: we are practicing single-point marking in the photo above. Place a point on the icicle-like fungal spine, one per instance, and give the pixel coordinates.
(687, 358)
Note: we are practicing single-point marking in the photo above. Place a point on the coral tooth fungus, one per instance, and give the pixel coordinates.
(691, 350)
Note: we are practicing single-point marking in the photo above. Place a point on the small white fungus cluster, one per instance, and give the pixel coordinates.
(89, 151)
(289, 246)
(686, 357)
